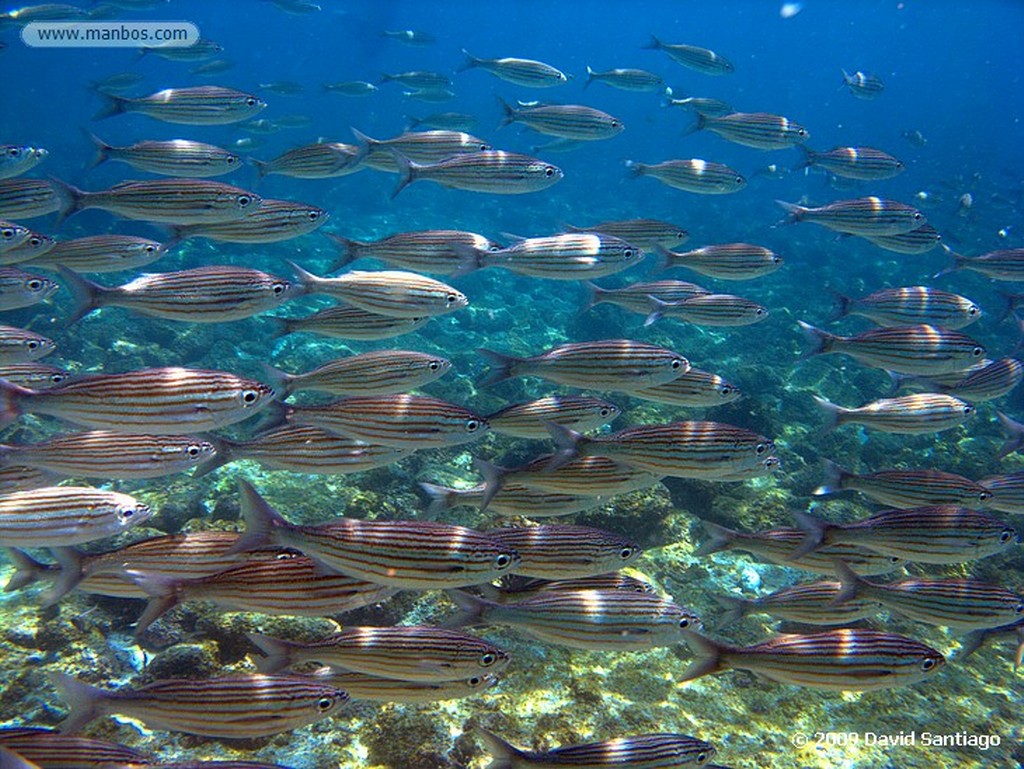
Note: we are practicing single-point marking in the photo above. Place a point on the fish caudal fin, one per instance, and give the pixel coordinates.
(347, 251)
(821, 340)
(85, 702)
(102, 149)
(736, 608)
(163, 596)
(814, 534)
(87, 296)
(708, 654)
(70, 561)
(494, 479)
(721, 538)
(590, 77)
(833, 414)
(282, 382)
(832, 482)
(261, 521)
(11, 398)
(470, 62)
(72, 199)
(441, 498)
(510, 113)
(408, 172)
(27, 570)
(503, 755)
(954, 261)
(278, 654)
(112, 105)
(842, 306)
(1014, 431)
(503, 366)
(472, 609)
(851, 584)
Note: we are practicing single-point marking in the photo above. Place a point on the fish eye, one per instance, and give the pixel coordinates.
(802, 132)
(35, 284)
(149, 249)
(324, 704)
(626, 552)
(244, 200)
(57, 378)
(927, 664)
(488, 659)
(231, 159)
(127, 513)
(313, 215)
(984, 496)
(739, 180)
(978, 351)
(1007, 535)
(7, 233)
(472, 426)
(14, 152)
(250, 396)
(761, 448)
(726, 390)
(899, 164)
(250, 102)
(605, 411)
(968, 410)
(973, 311)
(615, 124)
(434, 365)
(503, 560)
(684, 623)
(35, 241)
(776, 260)
(32, 344)
(484, 147)
(917, 216)
(676, 364)
(760, 312)
(549, 172)
(451, 299)
(278, 288)
(1020, 608)
(475, 681)
(627, 253)
(193, 450)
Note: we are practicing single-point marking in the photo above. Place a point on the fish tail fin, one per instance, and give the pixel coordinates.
(408, 172)
(954, 261)
(366, 145)
(851, 583)
(846, 79)
(721, 538)
(282, 382)
(814, 534)
(262, 166)
(653, 44)
(441, 498)
(698, 125)
(72, 199)
(821, 340)
(509, 113)
(70, 574)
(504, 366)
(842, 305)
(261, 520)
(277, 654)
(971, 642)
(808, 159)
(594, 293)
(666, 258)
(634, 169)
(87, 296)
(163, 596)
(503, 755)
(472, 609)
(470, 62)
(897, 381)
(1010, 302)
(470, 257)
(112, 105)
(832, 482)
(736, 608)
(708, 654)
(657, 310)
(833, 413)
(306, 280)
(494, 479)
(1014, 435)
(411, 122)
(221, 458)
(102, 149)
(27, 570)
(11, 396)
(348, 251)
(794, 213)
(85, 702)
(279, 326)
(590, 77)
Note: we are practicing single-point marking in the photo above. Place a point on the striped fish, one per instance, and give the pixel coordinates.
(844, 659)
(419, 146)
(362, 88)
(702, 105)
(382, 372)
(909, 306)
(989, 382)
(1005, 264)
(725, 261)
(171, 400)
(304, 449)
(386, 292)
(177, 157)
(27, 198)
(646, 234)
(12, 235)
(937, 534)
(561, 551)
(709, 310)
(196, 105)
(349, 323)
(59, 516)
(1007, 492)
(34, 246)
(516, 589)
(102, 253)
(863, 85)
(959, 604)
(643, 751)
(512, 499)
(493, 171)
(694, 175)
(525, 72)
(288, 585)
(103, 454)
(811, 603)
(360, 686)
(449, 121)
(567, 121)
(402, 421)
(529, 420)
(693, 57)
(411, 555)
(421, 251)
(418, 79)
(567, 256)
(230, 707)
(920, 349)
(869, 217)
(594, 476)
(16, 159)
(273, 222)
(405, 653)
(36, 375)
(215, 294)
(18, 345)
(606, 620)
(708, 450)
(170, 201)
(920, 240)
(905, 488)
(637, 296)
(201, 50)
(626, 79)
(863, 163)
(907, 415)
(760, 130)
(49, 749)
(323, 160)
(695, 388)
(23, 289)
(612, 364)
(777, 545)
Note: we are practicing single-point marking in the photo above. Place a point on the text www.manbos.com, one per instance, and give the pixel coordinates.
(110, 34)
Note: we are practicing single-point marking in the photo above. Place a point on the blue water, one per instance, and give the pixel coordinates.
(952, 71)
